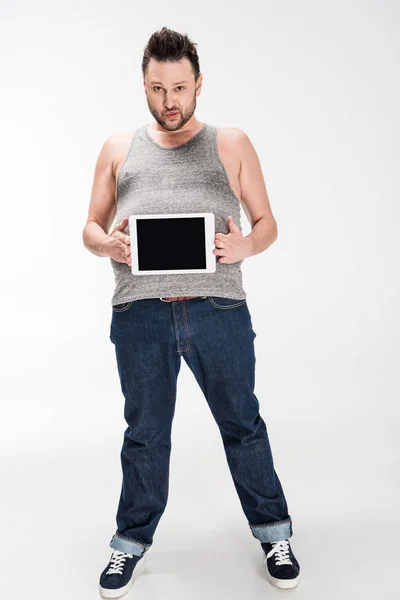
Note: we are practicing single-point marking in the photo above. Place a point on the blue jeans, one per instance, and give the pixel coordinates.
(216, 338)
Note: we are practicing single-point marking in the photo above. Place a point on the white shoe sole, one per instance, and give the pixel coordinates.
(281, 583)
(106, 593)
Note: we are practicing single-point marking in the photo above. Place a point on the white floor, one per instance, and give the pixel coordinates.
(60, 518)
(334, 449)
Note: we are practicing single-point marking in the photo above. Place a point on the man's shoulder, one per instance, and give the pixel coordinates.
(116, 146)
(120, 139)
(231, 134)
(232, 140)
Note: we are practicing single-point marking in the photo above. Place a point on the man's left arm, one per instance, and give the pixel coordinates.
(256, 205)
(255, 201)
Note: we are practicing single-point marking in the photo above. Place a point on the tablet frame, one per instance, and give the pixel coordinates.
(211, 258)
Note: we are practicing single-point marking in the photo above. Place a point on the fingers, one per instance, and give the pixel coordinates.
(120, 228)
(122, 225)
(128, 258)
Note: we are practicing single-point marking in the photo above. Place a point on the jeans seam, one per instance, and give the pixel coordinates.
(122, 309)
(187, 328)
(228, 306)
(131, 540)
(269, 524)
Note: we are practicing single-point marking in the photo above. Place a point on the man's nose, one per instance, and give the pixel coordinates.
(169, 101)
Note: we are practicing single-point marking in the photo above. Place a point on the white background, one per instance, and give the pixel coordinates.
(315, 85)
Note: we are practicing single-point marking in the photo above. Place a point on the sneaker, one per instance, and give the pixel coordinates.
(282, 567)
(117, 577)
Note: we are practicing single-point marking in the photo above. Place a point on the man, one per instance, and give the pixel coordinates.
(178, 164)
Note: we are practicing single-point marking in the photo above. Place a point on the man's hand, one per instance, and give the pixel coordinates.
(117, 244)
(233, 246)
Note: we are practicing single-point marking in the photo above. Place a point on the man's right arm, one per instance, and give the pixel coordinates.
(102, 206)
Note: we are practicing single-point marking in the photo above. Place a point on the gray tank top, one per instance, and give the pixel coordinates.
(184, 179)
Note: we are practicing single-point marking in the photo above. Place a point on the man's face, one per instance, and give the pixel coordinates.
(170, 87)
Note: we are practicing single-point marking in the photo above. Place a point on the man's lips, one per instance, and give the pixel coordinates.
(172, 114)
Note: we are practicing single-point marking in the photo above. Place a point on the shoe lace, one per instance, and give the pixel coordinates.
(117, 561)
(281, 551)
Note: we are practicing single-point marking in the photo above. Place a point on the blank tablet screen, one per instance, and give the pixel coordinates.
(171, 243)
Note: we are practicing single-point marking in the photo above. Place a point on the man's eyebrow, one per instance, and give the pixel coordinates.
(175, 83)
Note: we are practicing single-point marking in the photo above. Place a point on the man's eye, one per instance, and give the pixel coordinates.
(157, 86)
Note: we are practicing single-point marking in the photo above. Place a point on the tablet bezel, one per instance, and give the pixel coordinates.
(209, 226)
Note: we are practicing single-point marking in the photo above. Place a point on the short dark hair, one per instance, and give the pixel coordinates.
(169, 45)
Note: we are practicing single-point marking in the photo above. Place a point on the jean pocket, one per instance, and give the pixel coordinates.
(226, 303)
(123, 306)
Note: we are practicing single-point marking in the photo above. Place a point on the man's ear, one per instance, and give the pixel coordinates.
(199, 84)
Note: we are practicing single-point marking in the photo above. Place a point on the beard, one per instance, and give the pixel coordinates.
(180, 120)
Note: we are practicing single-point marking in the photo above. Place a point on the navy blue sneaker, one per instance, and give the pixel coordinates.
(283, 570)
(117, 577)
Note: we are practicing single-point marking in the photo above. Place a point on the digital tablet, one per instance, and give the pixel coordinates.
(163, 244)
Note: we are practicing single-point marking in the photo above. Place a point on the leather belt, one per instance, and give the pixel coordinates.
(170, 299)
